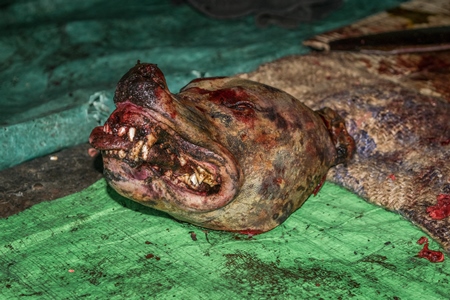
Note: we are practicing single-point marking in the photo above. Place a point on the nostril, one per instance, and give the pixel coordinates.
(137, 90)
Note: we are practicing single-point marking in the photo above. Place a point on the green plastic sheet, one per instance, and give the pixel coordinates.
(99, 245)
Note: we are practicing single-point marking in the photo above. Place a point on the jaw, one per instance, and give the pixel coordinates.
(149, 162)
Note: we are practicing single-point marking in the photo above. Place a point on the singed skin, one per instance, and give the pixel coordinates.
(224, 153)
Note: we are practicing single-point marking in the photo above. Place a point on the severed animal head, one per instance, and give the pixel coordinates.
(224, 153)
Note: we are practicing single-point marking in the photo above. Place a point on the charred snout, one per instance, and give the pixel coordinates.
(141, 85)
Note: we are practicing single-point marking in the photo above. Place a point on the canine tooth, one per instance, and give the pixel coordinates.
(131, 133)
(106, 128)
(122, 154)
(151, 139)
(122, 130)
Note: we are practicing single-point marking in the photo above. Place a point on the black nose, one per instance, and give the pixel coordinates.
(141, 85)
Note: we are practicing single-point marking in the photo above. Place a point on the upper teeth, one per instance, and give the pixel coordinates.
(122, 130)
(141, 149)
(131, 133)
(106, 128)
(151, 139)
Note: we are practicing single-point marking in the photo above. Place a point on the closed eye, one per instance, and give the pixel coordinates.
(241, 105)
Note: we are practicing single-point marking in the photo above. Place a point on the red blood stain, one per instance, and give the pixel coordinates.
(422, 240)
(392, 177)
(251, 232)
(431, 63)
(150, 255)
(193, 235)
(278, 180)
(237, 101)
(384, 67)
(431, 255)
(442, 209)
(319, 186)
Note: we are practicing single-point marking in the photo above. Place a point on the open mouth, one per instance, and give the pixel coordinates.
(143, 143)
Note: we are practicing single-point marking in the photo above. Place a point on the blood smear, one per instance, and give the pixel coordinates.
(193, 236)
(442, 209)
(319, 186)
(431, 255)
(250, 232)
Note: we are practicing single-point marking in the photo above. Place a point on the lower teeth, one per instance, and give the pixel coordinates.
(141, 149)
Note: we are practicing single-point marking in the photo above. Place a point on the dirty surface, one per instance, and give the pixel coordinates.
(47, 178)
(99, 244)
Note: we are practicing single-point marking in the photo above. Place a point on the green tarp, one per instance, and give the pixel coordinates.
(98, 245)
(59, 63)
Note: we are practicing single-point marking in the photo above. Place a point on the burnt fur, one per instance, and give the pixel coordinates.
(224, 153)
